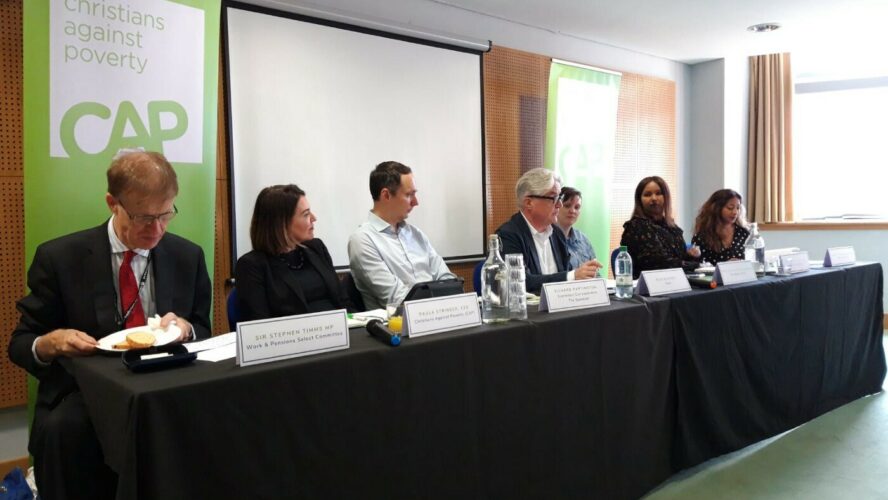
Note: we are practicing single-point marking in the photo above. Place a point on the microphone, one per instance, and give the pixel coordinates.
(381, 332)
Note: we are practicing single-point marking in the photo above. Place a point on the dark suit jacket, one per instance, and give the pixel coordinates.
(266, 288)
(72, 286)
(516, 238)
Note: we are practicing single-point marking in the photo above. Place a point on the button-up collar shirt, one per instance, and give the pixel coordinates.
(386, 262)
(139, 264)
(543, 248)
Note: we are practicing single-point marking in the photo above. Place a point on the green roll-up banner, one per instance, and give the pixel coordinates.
(580, 143)
(101, 76)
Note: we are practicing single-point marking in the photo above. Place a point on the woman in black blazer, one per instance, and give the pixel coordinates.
(288, 271)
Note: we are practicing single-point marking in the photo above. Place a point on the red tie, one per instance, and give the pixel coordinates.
(129, 292)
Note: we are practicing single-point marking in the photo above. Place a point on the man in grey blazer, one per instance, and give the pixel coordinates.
(79, 293)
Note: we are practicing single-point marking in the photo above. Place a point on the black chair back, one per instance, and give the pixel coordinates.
(354, 295)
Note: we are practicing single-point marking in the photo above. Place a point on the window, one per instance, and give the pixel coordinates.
(840, 159)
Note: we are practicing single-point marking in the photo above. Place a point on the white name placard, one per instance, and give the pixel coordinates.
(441, 314)
(578, 294)
(663, 281)
(794, 263)
(839, 256)
(273, 339)
(734, 272)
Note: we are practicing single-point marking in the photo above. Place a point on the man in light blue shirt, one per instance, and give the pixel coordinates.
(386, 255)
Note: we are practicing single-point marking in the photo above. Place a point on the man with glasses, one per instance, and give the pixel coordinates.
(89, 284)
(530, 232)
(386, 255)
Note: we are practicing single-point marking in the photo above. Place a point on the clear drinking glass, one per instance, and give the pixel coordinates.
(784, 265)
(517, 289)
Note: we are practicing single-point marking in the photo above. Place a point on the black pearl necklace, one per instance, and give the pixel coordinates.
(295, 260)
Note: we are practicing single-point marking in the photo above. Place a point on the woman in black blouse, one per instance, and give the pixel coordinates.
(720, 230)
(288, 271)
(652, 238)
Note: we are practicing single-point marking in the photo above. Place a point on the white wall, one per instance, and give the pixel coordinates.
(718, 129)
(869, 245)
(707, 137)
(13, 433)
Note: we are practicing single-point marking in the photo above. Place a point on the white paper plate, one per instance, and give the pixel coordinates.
(161, 337)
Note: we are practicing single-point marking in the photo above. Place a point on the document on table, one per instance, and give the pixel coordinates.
(358, 320)
(218, 354)
(214, 349)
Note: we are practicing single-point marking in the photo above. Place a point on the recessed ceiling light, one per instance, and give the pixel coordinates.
(763, 27)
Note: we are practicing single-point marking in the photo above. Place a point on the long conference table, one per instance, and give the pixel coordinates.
(599, 403)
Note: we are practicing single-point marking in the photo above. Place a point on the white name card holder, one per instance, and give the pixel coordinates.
(734, 272)
(662, 282)
(839, 256)
(578, 294)
(274, 339)
(793, 263)
(441, 314)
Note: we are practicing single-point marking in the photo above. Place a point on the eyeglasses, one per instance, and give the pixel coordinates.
(554, 199)
(145, 219)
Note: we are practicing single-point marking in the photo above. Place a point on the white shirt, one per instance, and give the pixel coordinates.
(386, 263)
(138, 264)
(544, 249)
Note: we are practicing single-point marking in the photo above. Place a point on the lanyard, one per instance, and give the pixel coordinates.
(129, 310)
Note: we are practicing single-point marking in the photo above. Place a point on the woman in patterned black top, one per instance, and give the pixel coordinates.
(720, 230)
(652, 238)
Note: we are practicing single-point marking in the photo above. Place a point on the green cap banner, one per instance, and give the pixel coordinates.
(102, 76)
(580, 143)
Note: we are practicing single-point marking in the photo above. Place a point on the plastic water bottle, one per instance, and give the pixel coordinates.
(494, 285)
(755, 248)
(623, 274)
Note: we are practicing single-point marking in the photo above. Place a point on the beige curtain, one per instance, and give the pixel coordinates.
(769, 189)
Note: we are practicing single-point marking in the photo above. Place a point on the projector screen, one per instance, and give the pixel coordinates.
(320, 106)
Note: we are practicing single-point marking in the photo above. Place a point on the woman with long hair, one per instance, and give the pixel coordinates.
(720, 230)
(653, 239)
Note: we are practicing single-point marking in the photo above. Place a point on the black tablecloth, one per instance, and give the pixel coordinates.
(605, 402)
(574, 404)
(755, 360)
